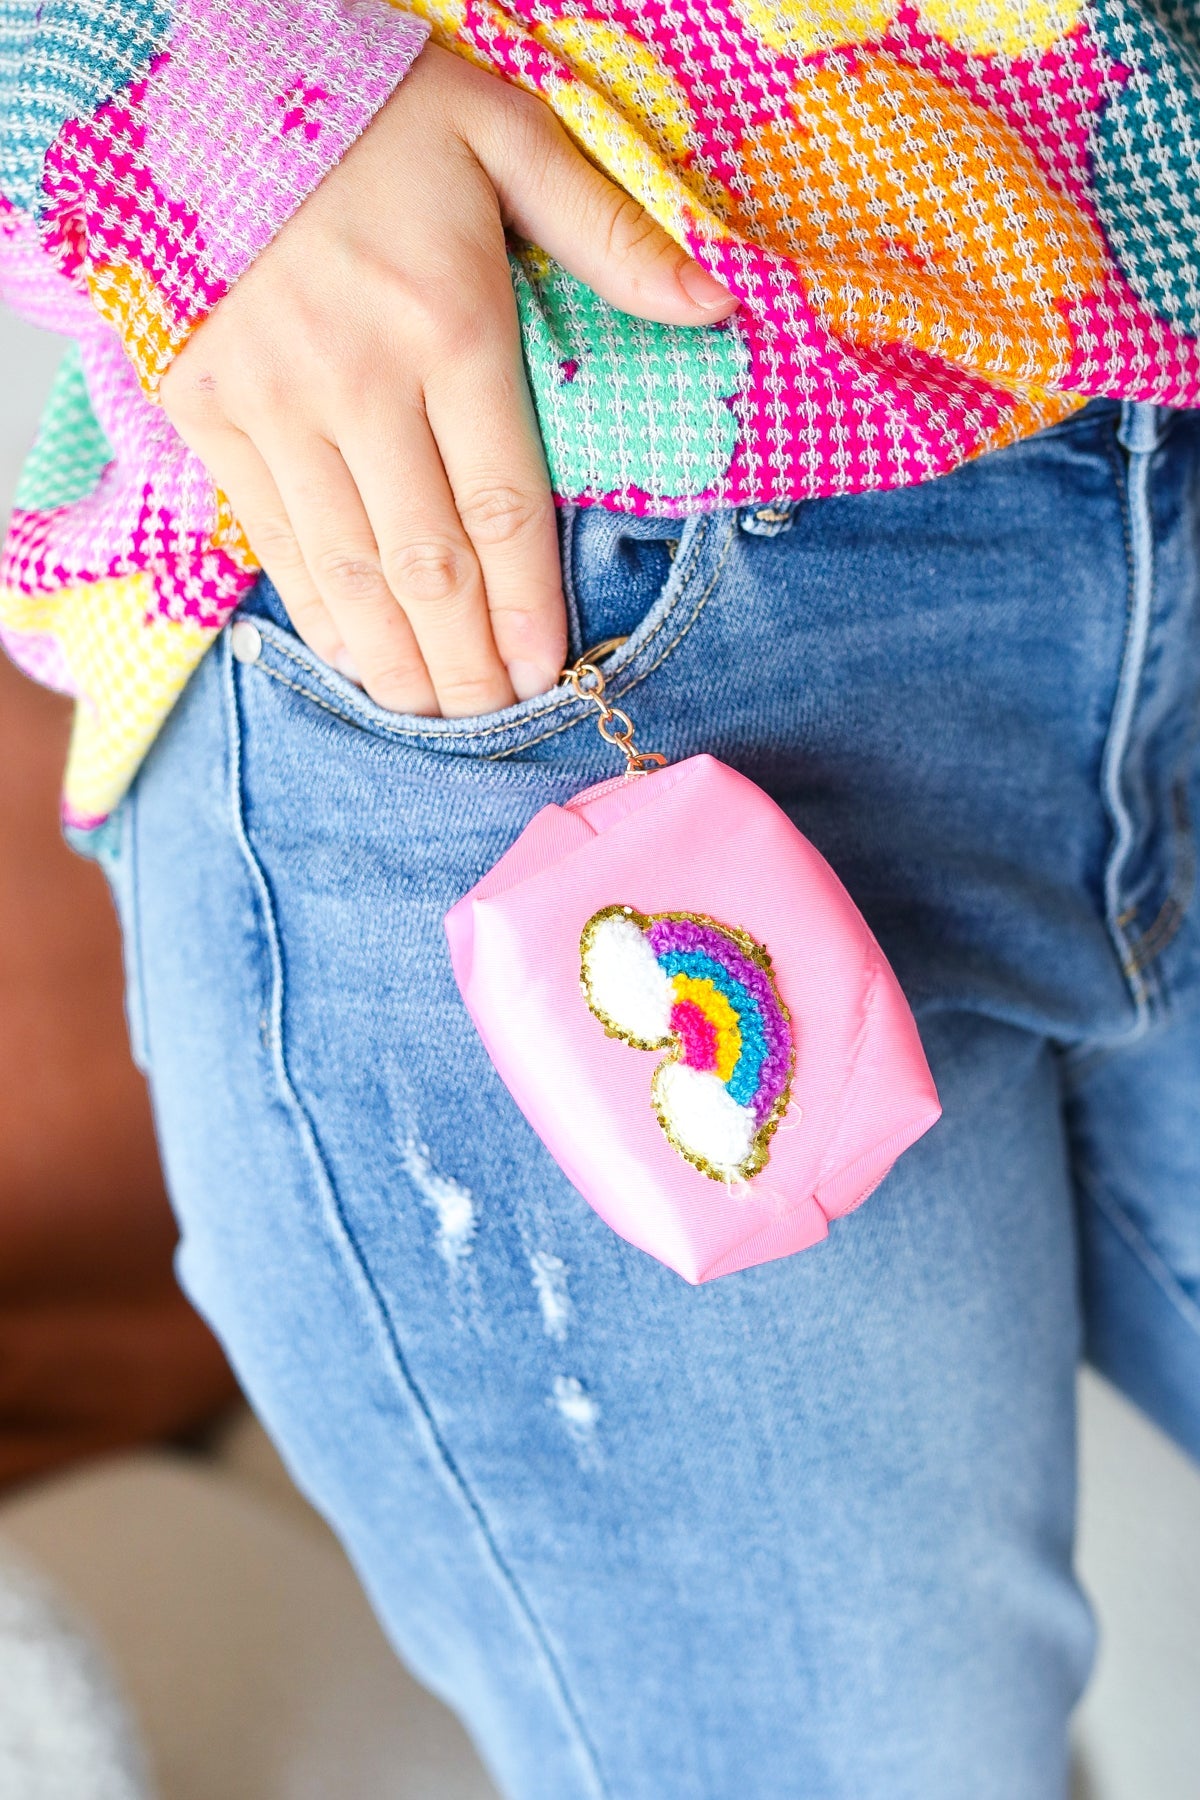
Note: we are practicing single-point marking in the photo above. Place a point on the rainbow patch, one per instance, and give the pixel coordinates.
(706, 993)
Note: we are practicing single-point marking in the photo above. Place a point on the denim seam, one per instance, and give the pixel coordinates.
(140, 1025)
(618, 693)
(325, 705)
(467, 739)
(434, 1444)
(1133, 466)
(380, 726)
(688, 623)
(1156, 1267)
(122, 874)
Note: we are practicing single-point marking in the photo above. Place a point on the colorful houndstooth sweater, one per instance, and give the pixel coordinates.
(949, 222)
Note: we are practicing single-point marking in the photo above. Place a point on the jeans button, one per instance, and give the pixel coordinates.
(245, 640)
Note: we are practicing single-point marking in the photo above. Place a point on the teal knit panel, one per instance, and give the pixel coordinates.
(71, 451)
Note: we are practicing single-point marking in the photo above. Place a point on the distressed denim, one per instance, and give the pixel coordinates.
(804, 1533)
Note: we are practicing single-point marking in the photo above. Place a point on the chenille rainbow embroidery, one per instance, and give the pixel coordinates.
(705, 993)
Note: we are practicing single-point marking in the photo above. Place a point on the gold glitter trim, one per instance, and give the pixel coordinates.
(754, 952)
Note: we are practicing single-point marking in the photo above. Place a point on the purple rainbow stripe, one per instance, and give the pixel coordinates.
(691, 935)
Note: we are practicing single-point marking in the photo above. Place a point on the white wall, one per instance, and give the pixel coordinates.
(28, 359)
(1140, 1525)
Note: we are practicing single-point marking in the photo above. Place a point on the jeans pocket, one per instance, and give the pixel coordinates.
(640, 580)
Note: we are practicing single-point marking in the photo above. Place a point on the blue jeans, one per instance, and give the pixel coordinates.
(805, 1531)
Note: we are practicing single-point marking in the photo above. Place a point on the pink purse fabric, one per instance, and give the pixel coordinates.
(694, 1017)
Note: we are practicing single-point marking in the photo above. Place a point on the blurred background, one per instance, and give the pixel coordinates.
(174, 1620)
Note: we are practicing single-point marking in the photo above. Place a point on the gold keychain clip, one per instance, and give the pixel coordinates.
(614, 726)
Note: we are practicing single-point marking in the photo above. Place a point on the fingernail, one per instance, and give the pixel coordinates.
(345, 665)
(702, 287)
(529, 681)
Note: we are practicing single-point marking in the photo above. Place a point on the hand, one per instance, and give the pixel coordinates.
(360, 398)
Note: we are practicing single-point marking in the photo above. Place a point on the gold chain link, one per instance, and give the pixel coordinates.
(614, 726)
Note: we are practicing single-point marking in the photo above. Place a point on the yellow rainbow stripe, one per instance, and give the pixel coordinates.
(720, 1015)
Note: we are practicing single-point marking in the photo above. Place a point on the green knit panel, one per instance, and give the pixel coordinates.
(71, 451)
(623, 403)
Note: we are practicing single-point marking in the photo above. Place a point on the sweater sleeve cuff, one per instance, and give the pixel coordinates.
(163, 197)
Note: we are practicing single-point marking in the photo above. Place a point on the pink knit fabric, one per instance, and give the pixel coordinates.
(948, 223)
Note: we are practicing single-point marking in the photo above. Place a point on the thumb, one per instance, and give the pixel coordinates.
(561, 202)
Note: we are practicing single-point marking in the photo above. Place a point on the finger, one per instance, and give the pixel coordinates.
(430, 565)
(554, 196)
(343, 562)
(483, 422)
(241, 473)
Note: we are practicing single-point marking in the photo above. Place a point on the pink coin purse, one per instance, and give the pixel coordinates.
(691, 1012)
